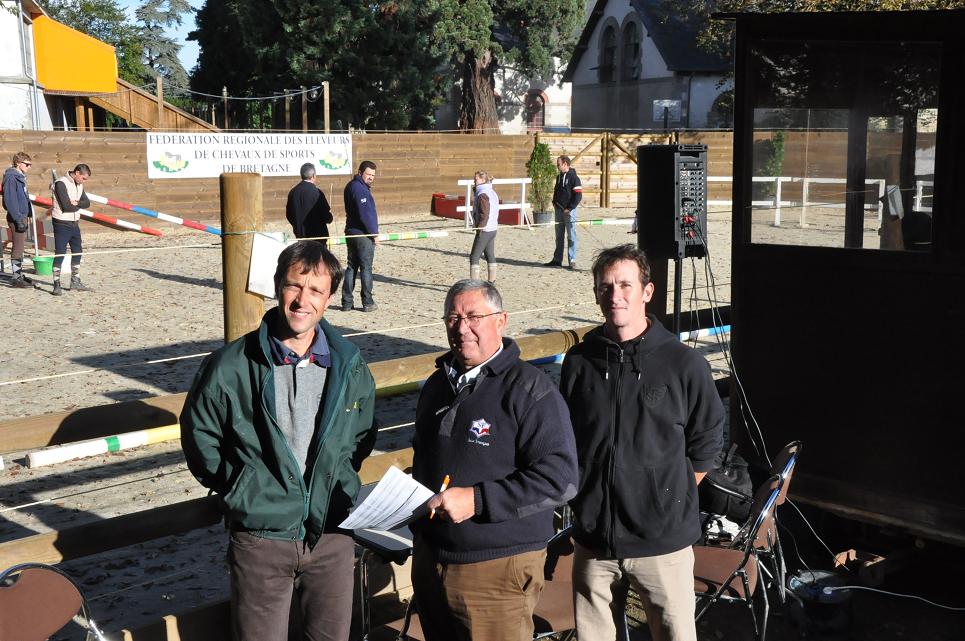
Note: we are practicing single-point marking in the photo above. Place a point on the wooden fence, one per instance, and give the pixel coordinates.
(411, 167)
(414, 166)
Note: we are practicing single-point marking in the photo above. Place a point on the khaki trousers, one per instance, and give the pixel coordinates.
(486, 601)
(665, 584)
(265, 573)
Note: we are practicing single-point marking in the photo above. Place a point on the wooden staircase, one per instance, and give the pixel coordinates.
(140, 108)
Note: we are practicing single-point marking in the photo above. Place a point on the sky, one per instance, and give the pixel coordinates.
(189, 50)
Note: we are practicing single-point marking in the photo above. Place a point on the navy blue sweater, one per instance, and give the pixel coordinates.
(360, 216)
(509, 437)
(15, 195)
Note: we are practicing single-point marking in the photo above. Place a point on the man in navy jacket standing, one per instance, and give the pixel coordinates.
(362, 230)
(498, 430)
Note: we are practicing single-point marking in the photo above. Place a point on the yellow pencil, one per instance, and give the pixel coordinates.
(442, 488)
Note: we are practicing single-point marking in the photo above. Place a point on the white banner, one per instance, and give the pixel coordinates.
(208, 155)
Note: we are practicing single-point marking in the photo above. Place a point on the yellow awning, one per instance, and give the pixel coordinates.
(68, 60)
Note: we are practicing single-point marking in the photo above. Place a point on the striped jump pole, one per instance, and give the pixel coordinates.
(701, 333)
(184, 222)
(405, 235)
(100, 218)
(104, 445)
(605, 221)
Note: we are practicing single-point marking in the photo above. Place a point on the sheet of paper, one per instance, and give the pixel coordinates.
(393, 502)
(265, 248)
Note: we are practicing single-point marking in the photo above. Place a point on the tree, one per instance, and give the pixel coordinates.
(377, 56)
(160, 50)
(106, 21)
(480, 35)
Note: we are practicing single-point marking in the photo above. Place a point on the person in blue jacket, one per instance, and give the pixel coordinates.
(362, 231)
(17, 204)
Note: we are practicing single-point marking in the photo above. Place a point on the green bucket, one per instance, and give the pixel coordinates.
(43, 265)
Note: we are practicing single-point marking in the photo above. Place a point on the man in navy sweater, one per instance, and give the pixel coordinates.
(498, 429)
(362, 229)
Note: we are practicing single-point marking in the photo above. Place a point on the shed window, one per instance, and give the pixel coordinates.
(817, 104)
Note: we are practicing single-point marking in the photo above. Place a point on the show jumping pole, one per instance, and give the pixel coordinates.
(100, 218)
(193, 224)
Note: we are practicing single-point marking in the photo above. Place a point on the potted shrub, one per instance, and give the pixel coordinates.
(542, 171)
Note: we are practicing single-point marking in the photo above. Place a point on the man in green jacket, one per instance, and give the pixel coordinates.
(277, 423)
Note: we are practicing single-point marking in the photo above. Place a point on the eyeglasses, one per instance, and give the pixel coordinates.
(452, 321)
(26, 164)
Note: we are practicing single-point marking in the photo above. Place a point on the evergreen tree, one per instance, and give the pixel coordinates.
(377, 57)
(106, 21)
(480, 35)
(160, 50)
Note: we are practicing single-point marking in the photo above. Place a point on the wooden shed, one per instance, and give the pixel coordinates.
(849, 257)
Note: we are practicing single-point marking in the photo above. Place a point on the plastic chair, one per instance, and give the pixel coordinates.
(731, 574)
(37, 600)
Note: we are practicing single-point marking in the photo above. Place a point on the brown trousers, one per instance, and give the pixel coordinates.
(18, 239)
(486, 601)
(265, 573)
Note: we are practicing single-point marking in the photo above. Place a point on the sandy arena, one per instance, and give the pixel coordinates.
(167, 303)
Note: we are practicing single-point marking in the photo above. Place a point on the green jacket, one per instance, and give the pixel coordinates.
(233, 444)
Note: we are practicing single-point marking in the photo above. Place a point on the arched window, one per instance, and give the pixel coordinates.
(608, 55)
(535, 111)
(630, 60)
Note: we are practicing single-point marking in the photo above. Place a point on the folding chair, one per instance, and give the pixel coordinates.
(37, 600)
(731, 574)
(769, 549)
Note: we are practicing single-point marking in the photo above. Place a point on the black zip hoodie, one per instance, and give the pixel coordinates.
(646, 416)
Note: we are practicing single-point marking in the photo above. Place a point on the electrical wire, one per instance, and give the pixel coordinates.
(810, 527)
(835, 588)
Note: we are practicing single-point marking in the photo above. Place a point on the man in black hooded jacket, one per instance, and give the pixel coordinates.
(648, 424)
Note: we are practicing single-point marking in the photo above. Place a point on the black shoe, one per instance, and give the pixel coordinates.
(77, 286)
(58, 289)
(345, 308)
(372, 307)
(553, 263)
(19, 282)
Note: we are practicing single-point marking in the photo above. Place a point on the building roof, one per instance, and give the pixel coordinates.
(674, 34)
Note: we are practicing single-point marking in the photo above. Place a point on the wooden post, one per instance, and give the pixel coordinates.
(160, 103)
(224, 98)
(326, 101)
(214, 122)
(605, 169)
(80, 113)
(304, 109)
(241, 211)
(288, 112)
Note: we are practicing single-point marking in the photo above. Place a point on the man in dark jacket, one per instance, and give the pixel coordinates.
(497, 429)
(362, 229)
(307, 208)
(567, 195)
(17, 203)
(648, 425)
(277, 423)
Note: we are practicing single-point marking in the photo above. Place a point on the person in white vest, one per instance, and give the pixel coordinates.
(485, 218)
(69, 198)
